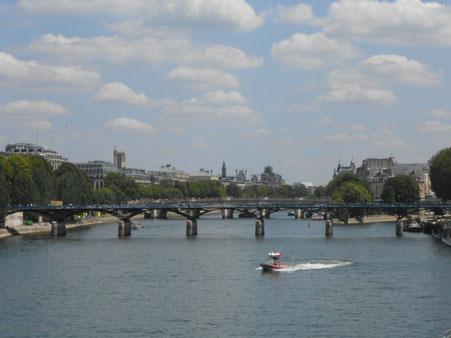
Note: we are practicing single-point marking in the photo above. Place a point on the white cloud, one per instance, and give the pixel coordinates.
(439, 112)
(257, 134)
(435, 127)
(352, 86)
(38, 124)
(346, 137)
(127, 124)
(407, 22)
(119, 92)
(235, 15)
(219, 97)
(312, 51)
(19, 72)
(203, 78)
(213, 106)
(157, 46)
(386, 138)
(25, 107)
(401, 69)
(301, 14)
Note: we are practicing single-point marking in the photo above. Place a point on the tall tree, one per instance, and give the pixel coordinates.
(73, 185)
(352, 192)
(440, 171)
(233, 190)
(402, 188)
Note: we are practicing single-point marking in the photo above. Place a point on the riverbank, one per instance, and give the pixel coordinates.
(45, 228)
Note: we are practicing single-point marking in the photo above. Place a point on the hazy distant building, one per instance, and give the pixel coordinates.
(97, 171)
(345, 169)
(51, 156)
(203, 174)
(241, 176)
(119, 158)
(140, 176)
(223, 171)
(169, 173)
(270, 178)
(420, 172)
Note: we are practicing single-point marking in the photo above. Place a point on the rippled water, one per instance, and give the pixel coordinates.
(362, 283)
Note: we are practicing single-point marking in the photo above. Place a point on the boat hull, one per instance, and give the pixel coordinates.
(273, 267)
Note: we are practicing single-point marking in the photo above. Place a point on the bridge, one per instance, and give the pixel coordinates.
(192, 210)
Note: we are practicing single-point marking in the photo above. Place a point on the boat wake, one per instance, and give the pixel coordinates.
(313, 265)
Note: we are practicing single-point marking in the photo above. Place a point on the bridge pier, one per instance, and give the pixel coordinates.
(227, 213)
(191, 227)
(259, 227)
(329, 229)
(148, 215)
(399, 228)
(298, 214)
(124, 228)
(264, 213)
(58, 229)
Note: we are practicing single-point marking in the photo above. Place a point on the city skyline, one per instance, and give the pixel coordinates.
(298, 85)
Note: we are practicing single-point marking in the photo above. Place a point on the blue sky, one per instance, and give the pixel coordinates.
(298, 85)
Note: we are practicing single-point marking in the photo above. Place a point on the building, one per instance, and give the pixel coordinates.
(420, 171)
(140, 176)
(51, 156)
(97, 171)
(270, 178)
(204, 175)
(119, 158)
(168, 173)
(376, 171)
(345, 169)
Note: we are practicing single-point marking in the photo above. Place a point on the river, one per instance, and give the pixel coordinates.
(364, 282)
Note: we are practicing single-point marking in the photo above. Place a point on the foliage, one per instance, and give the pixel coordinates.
(73, 186)
(320, 192)
(440, 171)
(233, 190)
(340, 179)
(402, 188)
(351, 192)
(124, 188)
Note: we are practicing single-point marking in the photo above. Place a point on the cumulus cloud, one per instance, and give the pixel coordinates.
(235, 15)
(119, 92)
(401, 69)
(386, 138)
(440, 112)
(352, 86)
(39, 107)
(301, 14)
(213, 106)
(346, 137)
(312, 51)
(435, 127)
(203, 78)
(157, 46)
(19, 72)
(406, 22)
(128, 124)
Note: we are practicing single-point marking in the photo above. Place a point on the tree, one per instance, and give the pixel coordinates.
(352, 192)
(73, 185)
(124, 188)
(402, 189)
(233, 190)
(340, 179)
(320, 192)
(440, 172)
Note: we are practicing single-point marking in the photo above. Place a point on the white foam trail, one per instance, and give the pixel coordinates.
(317, 265)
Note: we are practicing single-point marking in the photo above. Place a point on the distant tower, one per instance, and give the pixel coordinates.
(119, 158)
(223, 171)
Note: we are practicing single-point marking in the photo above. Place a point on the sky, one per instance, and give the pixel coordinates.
(296, 85)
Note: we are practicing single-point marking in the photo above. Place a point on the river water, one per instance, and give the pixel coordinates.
(364, 282)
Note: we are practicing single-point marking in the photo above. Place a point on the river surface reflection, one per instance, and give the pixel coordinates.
(364, 282)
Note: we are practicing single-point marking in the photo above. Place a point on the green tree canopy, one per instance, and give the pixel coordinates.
(351, 192)
(340, 179)
(233, 190)
(440, 172)
(73, 185)
(402, 188)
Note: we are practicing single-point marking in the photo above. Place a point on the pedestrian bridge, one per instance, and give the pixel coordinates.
(192, 210)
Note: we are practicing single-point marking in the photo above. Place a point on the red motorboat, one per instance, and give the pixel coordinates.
(274, 263)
